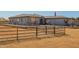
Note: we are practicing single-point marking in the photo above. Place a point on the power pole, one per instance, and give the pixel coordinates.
(55, 13)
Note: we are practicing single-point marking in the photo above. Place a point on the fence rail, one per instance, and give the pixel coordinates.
(16, 33)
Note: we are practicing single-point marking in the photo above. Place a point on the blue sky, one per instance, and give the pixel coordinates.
(44, 13)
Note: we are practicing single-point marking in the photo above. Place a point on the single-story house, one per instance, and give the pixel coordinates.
(57, 20)
(35, 19)
(27, 19)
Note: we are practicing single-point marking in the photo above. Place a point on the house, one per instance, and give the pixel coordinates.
(26, 19)
(35, 19)
(57, 20)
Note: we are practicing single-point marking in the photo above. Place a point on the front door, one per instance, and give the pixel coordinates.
(41, 22)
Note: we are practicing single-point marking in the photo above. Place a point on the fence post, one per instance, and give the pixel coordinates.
(54, 30)
(46, 30)
(17, 34)
(36, 31)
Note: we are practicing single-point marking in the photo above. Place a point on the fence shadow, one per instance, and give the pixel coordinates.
(29, 39)
(60, 34)
(7, 42)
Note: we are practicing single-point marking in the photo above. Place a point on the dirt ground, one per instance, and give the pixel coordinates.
(70, 40)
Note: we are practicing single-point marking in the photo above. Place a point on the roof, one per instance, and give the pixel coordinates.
(25, 15)
(37, 15)
(55, 17)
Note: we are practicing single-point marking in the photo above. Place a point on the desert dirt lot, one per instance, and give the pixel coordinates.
(70, 40)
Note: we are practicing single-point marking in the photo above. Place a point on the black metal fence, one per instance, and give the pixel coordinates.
(20, 32)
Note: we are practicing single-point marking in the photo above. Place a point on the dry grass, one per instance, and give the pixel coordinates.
(70, 40)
